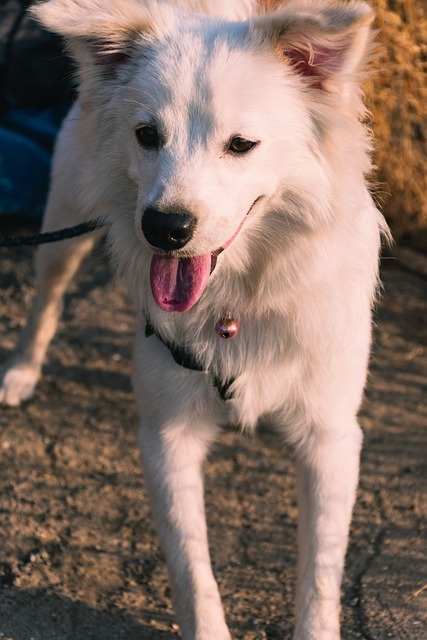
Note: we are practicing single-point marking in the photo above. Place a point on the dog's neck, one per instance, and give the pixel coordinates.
(186, 358)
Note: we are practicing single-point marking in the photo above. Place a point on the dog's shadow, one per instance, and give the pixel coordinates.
(35, 615)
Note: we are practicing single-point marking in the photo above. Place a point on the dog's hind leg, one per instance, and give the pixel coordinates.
(56, 264)
(328, 469)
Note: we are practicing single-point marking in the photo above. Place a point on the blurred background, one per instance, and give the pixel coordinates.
(397, 99)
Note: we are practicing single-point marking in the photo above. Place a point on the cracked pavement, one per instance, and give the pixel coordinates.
(79, 559)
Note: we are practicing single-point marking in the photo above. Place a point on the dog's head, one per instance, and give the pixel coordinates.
(211, 119)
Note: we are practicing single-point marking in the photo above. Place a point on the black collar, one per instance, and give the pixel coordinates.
(187, 359)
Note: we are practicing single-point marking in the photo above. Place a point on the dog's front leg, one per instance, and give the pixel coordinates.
(172, 457)
(328, 467)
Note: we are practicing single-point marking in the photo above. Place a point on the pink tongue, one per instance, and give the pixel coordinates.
(178, 283)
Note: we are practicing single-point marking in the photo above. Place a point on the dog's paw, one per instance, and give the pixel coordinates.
(18, 382)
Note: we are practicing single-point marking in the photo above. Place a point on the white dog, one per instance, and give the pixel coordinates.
(221, 142)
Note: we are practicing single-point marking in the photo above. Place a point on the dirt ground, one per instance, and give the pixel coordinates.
(79, 559)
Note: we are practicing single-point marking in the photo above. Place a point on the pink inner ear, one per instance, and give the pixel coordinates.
(319, 62)
(110, 59)
(105, 56)
(269, 5)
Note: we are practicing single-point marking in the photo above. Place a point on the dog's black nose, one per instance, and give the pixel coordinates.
(168, 231)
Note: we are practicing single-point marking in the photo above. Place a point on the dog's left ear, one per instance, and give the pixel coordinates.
(323, 41)
(99, 33)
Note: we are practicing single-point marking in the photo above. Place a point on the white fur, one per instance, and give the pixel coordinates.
(300, 276)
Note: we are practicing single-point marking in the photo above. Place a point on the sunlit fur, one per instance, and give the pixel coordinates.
(300, 276)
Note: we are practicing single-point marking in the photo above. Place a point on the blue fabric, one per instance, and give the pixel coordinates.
(27, 138)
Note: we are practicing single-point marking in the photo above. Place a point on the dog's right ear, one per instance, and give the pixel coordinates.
(323, 41)
(99, 33)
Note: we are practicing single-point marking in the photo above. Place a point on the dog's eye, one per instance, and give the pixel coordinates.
(149, 137)
(241, 145)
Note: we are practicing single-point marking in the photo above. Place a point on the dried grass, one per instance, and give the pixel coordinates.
(396, 96)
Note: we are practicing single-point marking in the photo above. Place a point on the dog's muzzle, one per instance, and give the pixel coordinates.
(178, 281)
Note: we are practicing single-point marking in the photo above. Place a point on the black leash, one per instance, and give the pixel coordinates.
(52, 236)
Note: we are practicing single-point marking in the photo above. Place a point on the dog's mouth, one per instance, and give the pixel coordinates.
(177, 283)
